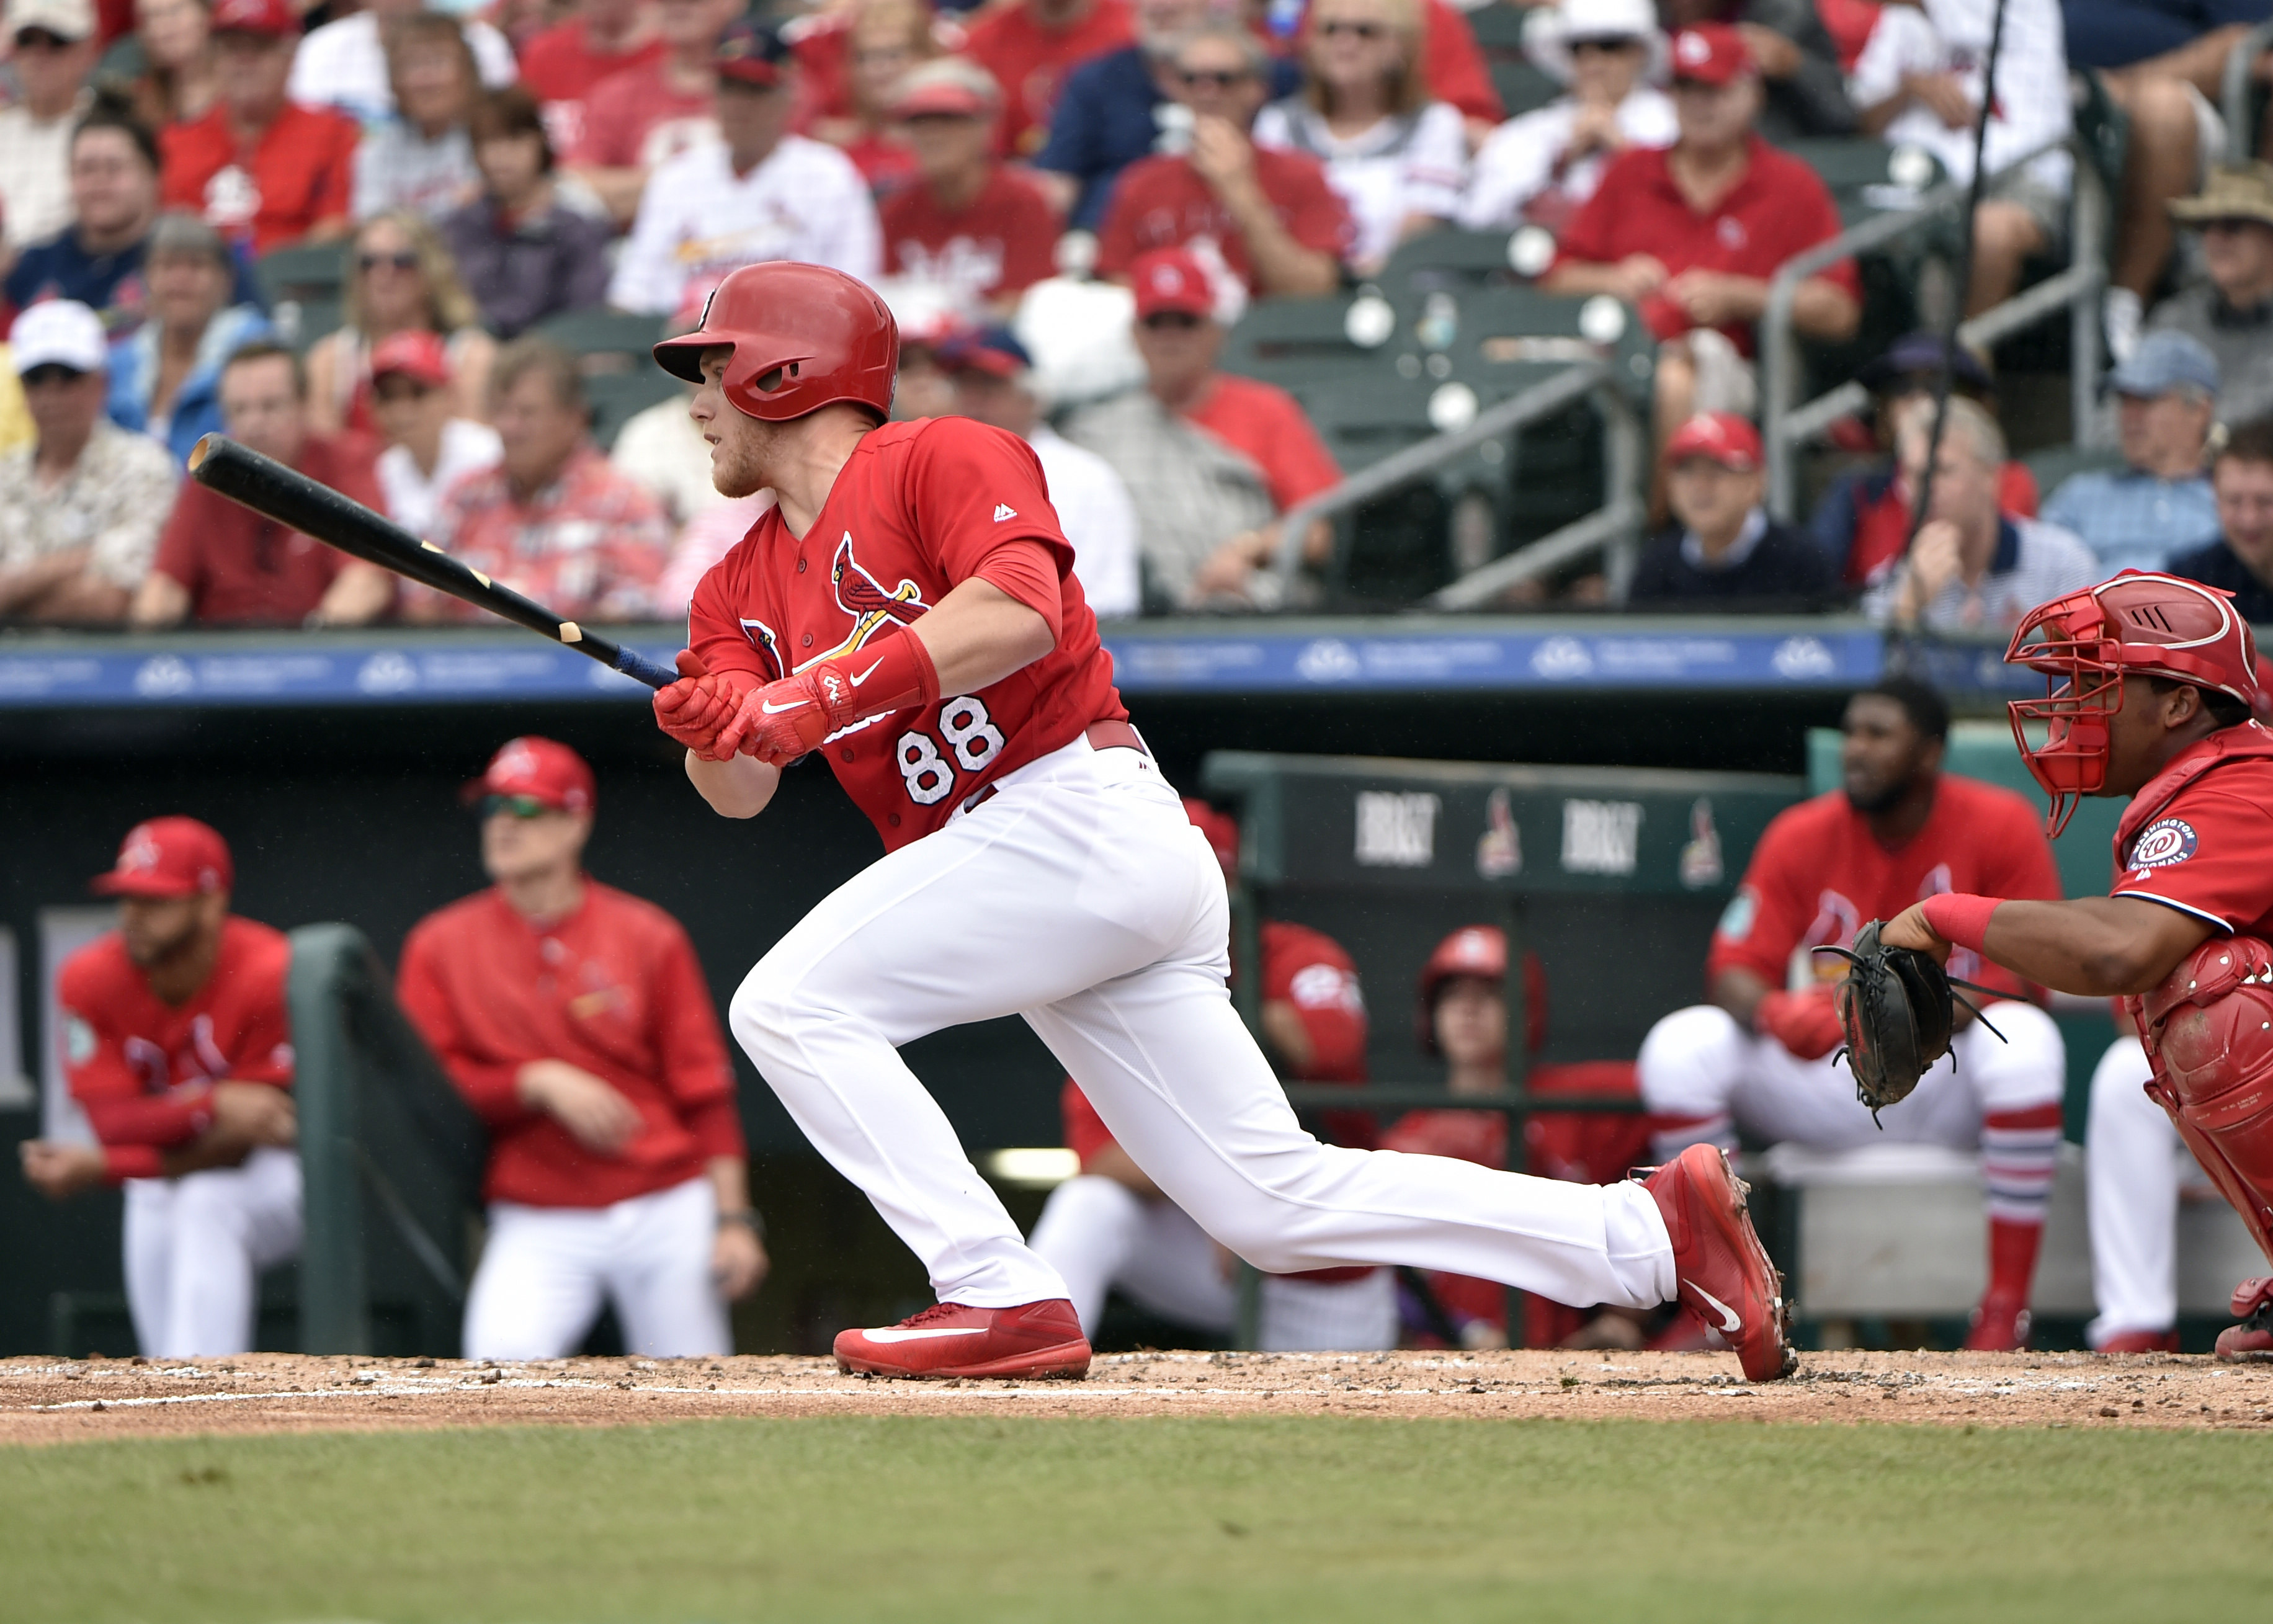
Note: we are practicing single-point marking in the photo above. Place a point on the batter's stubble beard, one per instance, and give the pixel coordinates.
(741, 462)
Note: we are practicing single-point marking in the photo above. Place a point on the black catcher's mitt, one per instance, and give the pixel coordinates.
(1898, 1009)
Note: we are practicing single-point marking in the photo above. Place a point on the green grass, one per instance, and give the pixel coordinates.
(1006, 1520)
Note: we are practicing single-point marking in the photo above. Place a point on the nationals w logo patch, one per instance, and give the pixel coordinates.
(2163, 843)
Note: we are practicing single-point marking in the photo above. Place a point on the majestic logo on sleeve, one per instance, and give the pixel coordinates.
(2164, 843)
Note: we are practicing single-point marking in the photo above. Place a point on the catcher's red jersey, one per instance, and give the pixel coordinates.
(918, 508)
(2206, 847)
(1818, 875)
(142, 1068)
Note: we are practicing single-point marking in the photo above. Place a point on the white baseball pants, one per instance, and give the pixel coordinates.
(1099, 1235)
(1081, 897)
(194, 1249)
(1698, 1063)
(544, 1271)
(2134, 1166)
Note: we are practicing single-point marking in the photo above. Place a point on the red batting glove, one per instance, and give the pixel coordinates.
(693, 709)
(1807, 1023)
(784, 720)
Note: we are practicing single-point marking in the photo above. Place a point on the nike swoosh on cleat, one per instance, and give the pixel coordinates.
(865, 675)
(772, 710)
(895, 1334)
(1731, 1321)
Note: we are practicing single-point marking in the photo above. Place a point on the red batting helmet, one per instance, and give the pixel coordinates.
(804, 337)
(1479, 952)
(2138, 624)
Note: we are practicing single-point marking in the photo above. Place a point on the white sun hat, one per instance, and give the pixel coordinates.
(1547, 40)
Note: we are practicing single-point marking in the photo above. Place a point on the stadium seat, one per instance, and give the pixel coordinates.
(302, 286)
(606, 341)
(616, 397)
(1295, 343)
(2055, 463)
(1522, 88)
(1446, 262)
(1864, 176)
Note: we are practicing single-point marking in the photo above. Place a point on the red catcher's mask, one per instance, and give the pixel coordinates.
(2138, 624)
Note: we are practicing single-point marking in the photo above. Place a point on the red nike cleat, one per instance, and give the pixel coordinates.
(1997, 1327)
(1723, 1270)
(2252, 1341)
(2140, 1342)
(951, 1339)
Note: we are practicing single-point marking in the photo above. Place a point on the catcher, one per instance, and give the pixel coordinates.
(2151, 683)
(1760, 1055)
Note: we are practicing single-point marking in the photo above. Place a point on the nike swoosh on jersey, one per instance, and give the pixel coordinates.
(1731, 1321)
(865, 675)
(895, 1334)
(772, 710)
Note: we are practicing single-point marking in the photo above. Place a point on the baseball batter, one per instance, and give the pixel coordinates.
(908, 612)
(1759, 1054)
(177, 1047)
(2151, 680)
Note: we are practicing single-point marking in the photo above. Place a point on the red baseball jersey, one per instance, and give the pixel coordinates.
(1162, 202)
(1818, 875)
(142, 1069)
(919, 509)
(2199, 838)
(1266, 425)
(1030, 62)
(243, 568)
(1003, 241)
(293, 177)
(613, 988)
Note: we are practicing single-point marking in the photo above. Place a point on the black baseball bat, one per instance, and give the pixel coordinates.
(290, 498)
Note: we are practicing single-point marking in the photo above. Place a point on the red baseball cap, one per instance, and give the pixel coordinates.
(1711, 54)
(169, 857)
(951, 87)
(1727, 439)
(271, 17)
(1221, 829)
(750, 51)
(413, 353)
(1172, 279)
(541, 768)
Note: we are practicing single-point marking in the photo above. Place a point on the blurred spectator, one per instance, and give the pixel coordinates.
(179, 1050)
(1972, 568)
(1722, 545)
(260, 166)
(968, 223)
(1396, 158)
(880, 43)
(220, 564)
(575, 1020)
(2240, 560)
(1211, 460)
(2232, 312)
(165, 375)
(399, 279)
(1922, 88)
(567, 62)
(343, 64)
(1804, 83)
(422, 159)
(2159, 502)
(554, 519)
(53, 50)
(757, 192)
(1273, 217)
(80, 509)
(1540, 167)
(97, 259)
(429, 449)
(636, 119)
(522, 253)
(1693, 233)
(1029, 46)
(1121, 106)
(662, 448)
(173, 78)
(713, 532)
(1453, 66)
(994, 383)
(1862, 522)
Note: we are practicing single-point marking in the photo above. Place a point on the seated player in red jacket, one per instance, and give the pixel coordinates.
(1461, 1015)
(1110, 1227)
(574, 1019)
(177, 1045)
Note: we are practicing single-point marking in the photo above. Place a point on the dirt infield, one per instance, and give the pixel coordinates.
(46, 1400)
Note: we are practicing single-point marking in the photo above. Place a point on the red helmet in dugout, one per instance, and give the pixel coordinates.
(2085, 643)
(1478, 952)
(805, 337)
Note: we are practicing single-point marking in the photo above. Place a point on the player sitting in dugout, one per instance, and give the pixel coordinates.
(1758, 1056)
(1110, 1229)
(1461, 1015)
(575, 1020)
(2151, 681)
(179, 1049)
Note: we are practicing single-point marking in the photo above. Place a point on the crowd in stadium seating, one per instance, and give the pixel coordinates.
(1054, 167)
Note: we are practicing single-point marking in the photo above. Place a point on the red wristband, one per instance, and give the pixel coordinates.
(892, 673)
(1959, 918)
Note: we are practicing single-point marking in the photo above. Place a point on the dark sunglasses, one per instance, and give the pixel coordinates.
(407, 260)
(51, 373)
(1362, 31)
(1607, 46)
(1180, 321)
(1222, 78)
(41, 40)
(523, 806)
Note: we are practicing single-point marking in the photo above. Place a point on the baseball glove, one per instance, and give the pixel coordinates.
(1897, 1009)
